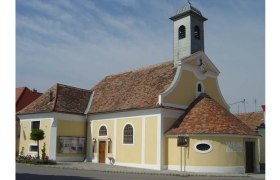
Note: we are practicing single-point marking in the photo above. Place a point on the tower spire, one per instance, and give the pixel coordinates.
(188, 31)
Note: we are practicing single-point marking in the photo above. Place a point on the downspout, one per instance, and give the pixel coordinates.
(87, 157)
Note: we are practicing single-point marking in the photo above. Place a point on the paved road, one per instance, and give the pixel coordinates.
(26, 172)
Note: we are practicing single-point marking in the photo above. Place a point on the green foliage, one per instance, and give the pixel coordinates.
(33, 160)
(43, 150)
(37, 135)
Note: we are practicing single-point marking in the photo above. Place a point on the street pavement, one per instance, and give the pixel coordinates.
(30, 172)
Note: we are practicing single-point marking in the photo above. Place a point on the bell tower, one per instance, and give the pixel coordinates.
(188, 32)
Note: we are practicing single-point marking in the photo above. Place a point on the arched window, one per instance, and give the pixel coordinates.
(103, 131)
(128, 134)
(181, 32)
(196, 32)
(199, 88)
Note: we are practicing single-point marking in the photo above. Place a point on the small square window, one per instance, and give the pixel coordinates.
(33, 148)
(35, 125)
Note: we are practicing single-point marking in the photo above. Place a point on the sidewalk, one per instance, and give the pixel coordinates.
(121, 169)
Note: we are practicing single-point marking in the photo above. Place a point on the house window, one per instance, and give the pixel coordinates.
(196, 32)
(103, 131)
(128, 134)
(199, 89)
(181, 32)
(33, 148)
(35, 125)
(203, 147)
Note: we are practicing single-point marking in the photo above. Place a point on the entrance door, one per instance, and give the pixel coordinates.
(102, 145)
(250, 154)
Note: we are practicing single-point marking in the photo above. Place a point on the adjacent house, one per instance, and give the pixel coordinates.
(256, 121)
(60, 113)
(170, 115)
(24, 96)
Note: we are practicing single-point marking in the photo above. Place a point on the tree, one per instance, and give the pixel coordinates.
(37, 135)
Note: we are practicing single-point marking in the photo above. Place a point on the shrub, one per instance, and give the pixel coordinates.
(28, 159)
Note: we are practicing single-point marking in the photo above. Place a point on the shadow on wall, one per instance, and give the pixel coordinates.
(25, 176)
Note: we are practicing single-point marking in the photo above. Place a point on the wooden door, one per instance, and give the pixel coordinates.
(250, 154)
(102, 148)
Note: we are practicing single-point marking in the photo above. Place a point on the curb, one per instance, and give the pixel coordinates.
(144, 171)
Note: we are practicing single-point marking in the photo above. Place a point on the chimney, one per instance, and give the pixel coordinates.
(34, 90)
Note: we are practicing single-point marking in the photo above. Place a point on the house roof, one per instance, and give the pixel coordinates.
(252, 119)
(25, 96)
(206, 116)
(136, 89)
(60, 98)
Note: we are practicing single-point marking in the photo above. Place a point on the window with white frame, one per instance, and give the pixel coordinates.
(199, 88)
(103, 131)
(128, 134)
(203, 147)
(33, 148)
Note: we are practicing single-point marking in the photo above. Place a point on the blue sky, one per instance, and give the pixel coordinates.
(79, 42)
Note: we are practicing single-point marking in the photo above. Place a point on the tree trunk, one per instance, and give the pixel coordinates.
(38, 157)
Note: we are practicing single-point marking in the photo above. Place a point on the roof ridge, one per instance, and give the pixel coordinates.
(181, 118)
(72, 87)
(247, 113)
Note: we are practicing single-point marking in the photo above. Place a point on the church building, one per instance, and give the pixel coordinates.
(170, 115)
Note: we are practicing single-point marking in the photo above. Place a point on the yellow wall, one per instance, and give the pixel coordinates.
(129, 153)
(217, 157)
(207, 67)
(70, 128)
(45, 125)
(185, 91)
(151, 140)
(110, 134)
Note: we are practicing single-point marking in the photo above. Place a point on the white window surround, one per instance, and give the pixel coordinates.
(132, 134)
(31, 152)
(202, 88)
(106, 129)
(203, 142)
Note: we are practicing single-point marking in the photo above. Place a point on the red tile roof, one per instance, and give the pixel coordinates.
(25, 96)
(252, 119)
(206, 116)
(60, 98)
(132, 90)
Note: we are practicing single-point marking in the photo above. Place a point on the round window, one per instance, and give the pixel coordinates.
(203, 147)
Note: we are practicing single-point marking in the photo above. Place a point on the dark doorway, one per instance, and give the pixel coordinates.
(250, 156)
(102, 145)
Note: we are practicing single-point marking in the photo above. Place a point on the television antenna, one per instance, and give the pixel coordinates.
(240, 102)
